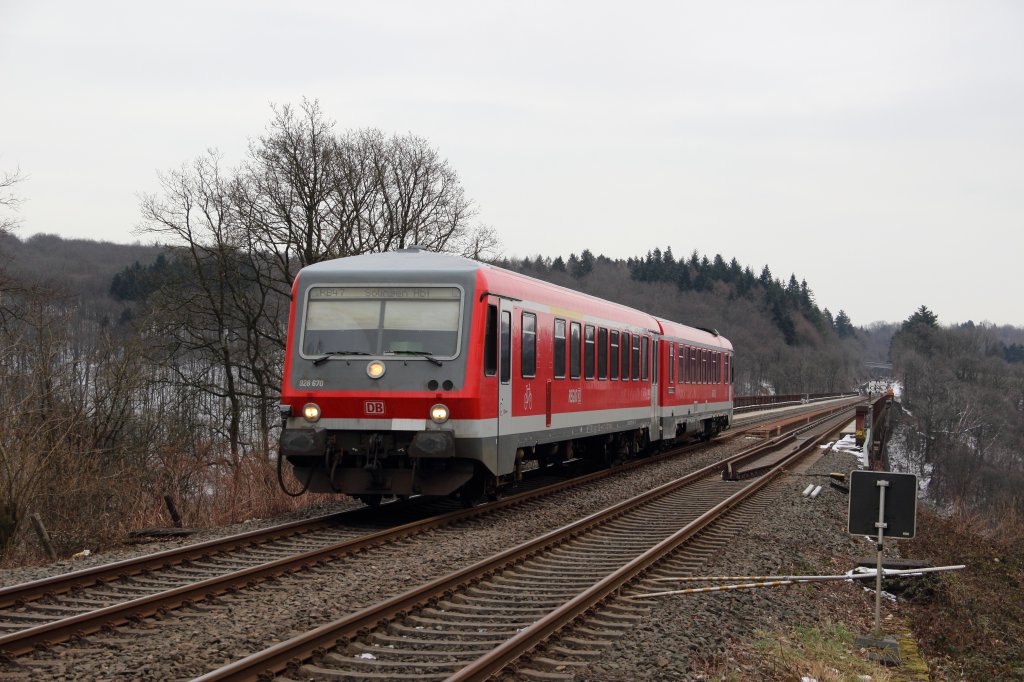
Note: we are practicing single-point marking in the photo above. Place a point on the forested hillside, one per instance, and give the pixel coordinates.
(784, 342)
(964, 401)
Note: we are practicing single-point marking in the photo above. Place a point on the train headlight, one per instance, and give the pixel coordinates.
(375, 370)
(439, 413)
(311, 411)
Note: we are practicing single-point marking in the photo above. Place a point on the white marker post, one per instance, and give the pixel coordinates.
(879, 546)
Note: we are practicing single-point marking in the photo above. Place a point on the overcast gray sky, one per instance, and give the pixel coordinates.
(875, 149)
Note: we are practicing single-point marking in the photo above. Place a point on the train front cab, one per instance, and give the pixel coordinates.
(388, 368)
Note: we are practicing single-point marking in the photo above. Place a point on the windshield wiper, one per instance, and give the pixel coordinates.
(421, 353)
(327, 356)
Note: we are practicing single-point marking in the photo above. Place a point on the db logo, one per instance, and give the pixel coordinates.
(374, 407)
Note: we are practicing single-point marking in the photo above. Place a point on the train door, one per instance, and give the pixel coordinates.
(655, 428)
(506, 440)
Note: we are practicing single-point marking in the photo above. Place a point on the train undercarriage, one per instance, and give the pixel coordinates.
(373, 466)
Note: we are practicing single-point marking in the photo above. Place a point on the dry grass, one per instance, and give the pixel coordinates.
(969, 624)
(96, 506)
(824, 653)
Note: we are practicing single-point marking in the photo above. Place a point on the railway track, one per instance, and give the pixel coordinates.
(475, 622)
(55, 609)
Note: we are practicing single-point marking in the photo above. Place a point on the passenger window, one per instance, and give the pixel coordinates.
(528, 346)
(671, 363)
(602, 353)
(613, 371)
(574, 350)
(635, 364)
(559, 359)
(625, 356)
(588, 352)
(506, 346)
(491, 342)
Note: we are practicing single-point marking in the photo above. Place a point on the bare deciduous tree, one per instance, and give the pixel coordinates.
(9, 201)
(304, 194)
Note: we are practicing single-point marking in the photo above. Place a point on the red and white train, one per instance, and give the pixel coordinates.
(413, 372)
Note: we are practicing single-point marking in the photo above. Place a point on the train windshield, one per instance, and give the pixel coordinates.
(383, 320)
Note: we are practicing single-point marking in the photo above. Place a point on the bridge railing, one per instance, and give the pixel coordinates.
(746, 403)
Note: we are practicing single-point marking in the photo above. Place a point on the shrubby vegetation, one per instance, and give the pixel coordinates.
(964, 390)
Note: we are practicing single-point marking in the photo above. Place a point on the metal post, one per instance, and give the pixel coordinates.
(882, 485)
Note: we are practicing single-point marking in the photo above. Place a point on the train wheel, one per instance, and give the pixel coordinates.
(613, 456)
(370, 500)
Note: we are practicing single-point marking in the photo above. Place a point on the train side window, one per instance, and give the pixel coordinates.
(704, 366)
(528, 346)
(681, 369)
(491, 342)
(613, 372)
(574, 350)
(588, 352)
(506, 346)
(602, 353)
(634, 365)
(718, 368)
(725, 372)
(671, 363)
(626, 355)
(645, 357)
(559, 359)
(732, 370)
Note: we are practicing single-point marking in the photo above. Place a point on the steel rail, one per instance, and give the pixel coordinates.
(65, 582)
(526, 640)
(278, 657)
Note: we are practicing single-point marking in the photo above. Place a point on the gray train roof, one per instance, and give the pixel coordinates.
(408, 264)
(404, 260)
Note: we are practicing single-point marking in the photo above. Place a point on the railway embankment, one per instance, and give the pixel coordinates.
(956, 626)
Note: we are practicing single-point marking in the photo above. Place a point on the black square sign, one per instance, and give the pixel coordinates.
(900, 504)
